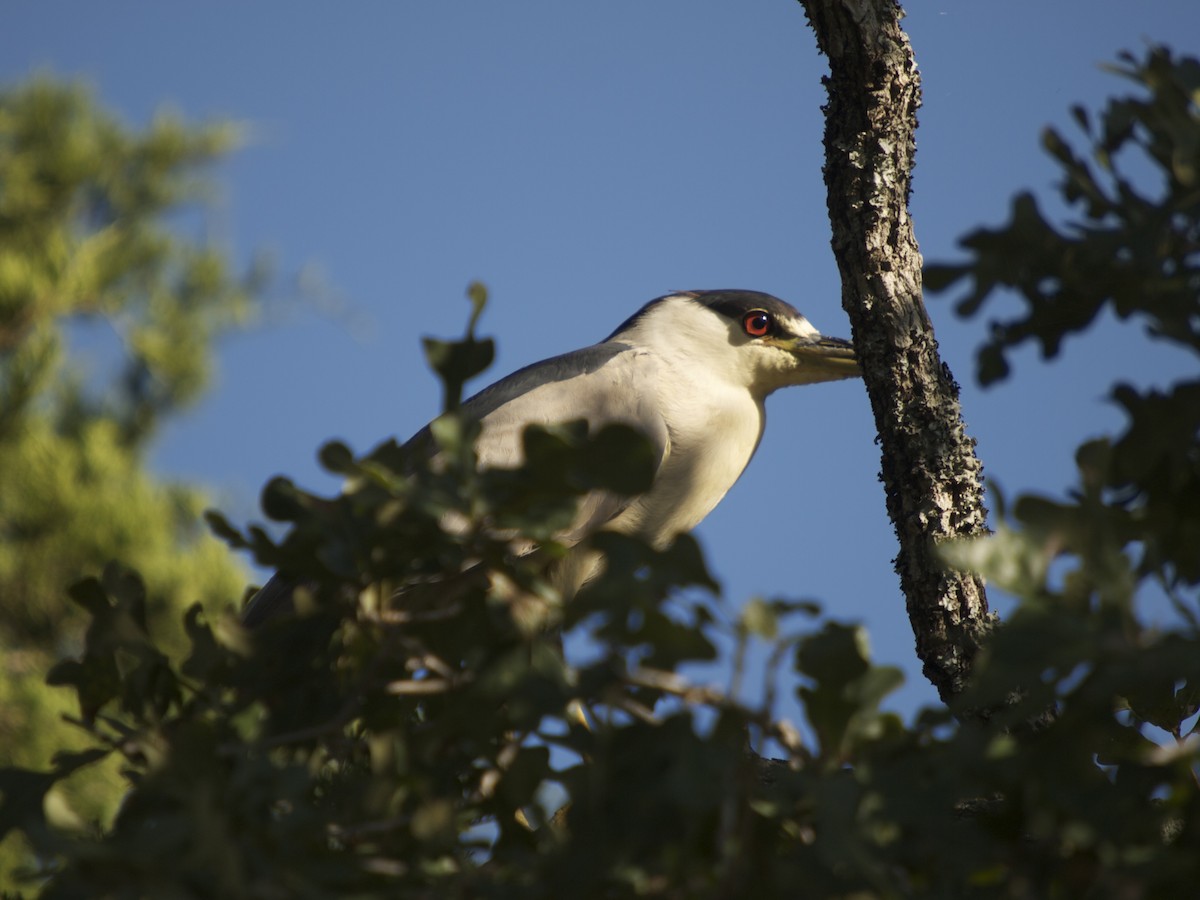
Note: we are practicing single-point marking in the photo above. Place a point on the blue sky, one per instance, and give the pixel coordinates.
(580, 159)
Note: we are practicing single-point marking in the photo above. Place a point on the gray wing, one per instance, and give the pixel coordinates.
(552, 375)
(606, 383)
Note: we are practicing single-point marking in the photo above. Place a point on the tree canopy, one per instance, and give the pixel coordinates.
(108, 315)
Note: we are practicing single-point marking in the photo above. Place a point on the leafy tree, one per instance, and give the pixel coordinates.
(90, 249)
(1087, 642)
(404, 732)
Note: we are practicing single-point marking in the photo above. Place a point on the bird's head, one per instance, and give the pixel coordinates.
(748, 338)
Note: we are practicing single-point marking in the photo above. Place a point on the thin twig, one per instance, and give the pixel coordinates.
(419, 687)
(638, 710)
(336, 723)
(351, 833)
(408, 617)
(676, 685)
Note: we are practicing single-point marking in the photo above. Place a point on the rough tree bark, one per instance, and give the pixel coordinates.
(930, 472)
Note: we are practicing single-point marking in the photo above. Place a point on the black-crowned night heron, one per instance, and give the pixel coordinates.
(691, 371)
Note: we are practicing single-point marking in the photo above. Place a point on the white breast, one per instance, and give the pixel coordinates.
(697, 470)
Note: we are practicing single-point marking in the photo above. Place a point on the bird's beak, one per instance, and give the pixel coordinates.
(825, 358)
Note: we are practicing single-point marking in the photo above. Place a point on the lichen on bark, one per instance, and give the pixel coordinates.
(932, 477)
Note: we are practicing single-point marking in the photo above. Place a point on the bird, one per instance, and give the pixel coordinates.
(691, 371)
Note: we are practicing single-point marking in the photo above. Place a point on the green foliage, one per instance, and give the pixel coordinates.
(85, 241)
(1120, 673)
(85, 498)
(406, 731)
(1140, 255)
(455, 362)
(1134, 249)
(91, 243)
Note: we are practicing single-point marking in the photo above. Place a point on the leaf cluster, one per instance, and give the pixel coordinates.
(406, 728)
(82, 237)
(108, 312)
(1099, 661)
(1134, 248)
(110, 302)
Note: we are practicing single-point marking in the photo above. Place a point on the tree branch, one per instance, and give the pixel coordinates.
(929, 470)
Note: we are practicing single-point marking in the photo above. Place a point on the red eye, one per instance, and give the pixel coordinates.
(758, 323)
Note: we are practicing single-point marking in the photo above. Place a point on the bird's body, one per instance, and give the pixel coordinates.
(691, 371)
(684, 372)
